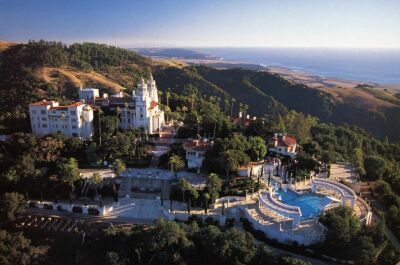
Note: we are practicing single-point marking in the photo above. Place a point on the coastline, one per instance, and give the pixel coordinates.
(296, 76)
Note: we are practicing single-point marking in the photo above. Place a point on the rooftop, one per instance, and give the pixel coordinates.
(283, 140)
(197, 145)
(41, 103)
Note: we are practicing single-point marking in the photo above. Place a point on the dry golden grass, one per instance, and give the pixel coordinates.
(343, 91)
(170, 63)
(5, 44)
(76, 78)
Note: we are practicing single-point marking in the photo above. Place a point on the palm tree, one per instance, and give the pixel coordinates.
(226, 103)
(233, 102)
(176, 163)
(118, 111)
(206, 199)
(167, 95)
(184, 109)
(241, 110)
(214, 185)
(126, 105)
(198, 121)
(99, 112)
(96, 181)
(185, 186)
(230, 162)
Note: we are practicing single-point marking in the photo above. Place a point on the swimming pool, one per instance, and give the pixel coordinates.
(310, 204)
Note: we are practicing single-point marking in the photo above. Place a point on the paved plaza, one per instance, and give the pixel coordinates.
(137, 209)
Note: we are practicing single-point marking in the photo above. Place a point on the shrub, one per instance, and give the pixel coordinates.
(210, 221)
(93, 211)
(247, 225)
(77, 209)
(260, 235)
(32, 205)
(48, 206)
(229, 222)
(195, 218)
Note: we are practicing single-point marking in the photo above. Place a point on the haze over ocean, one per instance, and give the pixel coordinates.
(369, 65)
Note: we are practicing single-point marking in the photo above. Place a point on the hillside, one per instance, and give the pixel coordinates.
(53, 70)
(267, 93)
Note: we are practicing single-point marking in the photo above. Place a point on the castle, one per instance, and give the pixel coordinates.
(76, 119)
(140, 111)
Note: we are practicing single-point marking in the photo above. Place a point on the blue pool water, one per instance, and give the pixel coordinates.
(310, 204)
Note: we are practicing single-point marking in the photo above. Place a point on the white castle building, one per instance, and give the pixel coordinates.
(75, 119)
(142, 111)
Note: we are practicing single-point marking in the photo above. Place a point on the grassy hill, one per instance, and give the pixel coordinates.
(53, 70)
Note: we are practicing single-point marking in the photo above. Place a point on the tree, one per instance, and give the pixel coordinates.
(11, 205)
(375, 167)
(237, 247)
(96, 181)
(358, 162)
(185, 186)
(312, 148)
(176, 163)
(327, 157)
(230, 159)
(206, 197)
(118, 167)
(69, 172)
(193, 195)
(168, 239)
(16, 249)
(343, 227)
(289, 260)
(299, 125)
(99, 112)
(213, 185)
(257, 150)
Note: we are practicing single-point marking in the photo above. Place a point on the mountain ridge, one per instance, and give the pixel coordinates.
(41, 69)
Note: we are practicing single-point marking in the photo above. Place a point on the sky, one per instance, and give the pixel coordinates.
(206, 23)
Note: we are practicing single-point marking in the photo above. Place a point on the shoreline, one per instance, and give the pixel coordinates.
(293, 75)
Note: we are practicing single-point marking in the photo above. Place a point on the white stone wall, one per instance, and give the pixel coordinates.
(72, 120)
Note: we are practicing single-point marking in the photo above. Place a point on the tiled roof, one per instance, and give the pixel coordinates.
(251, 164)
(74, 104)
(41, 103)
(59, 108)
(285, 141)
(153, 104)
(199, 146)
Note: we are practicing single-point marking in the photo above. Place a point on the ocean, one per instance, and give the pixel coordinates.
(369, 65)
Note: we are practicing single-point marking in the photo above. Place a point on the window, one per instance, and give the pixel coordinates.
(44, 119)
(73, 126)
(43, 112)
(74, 134)
(33, 111)
(73, 112)
(73, 120)
(44, 125)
